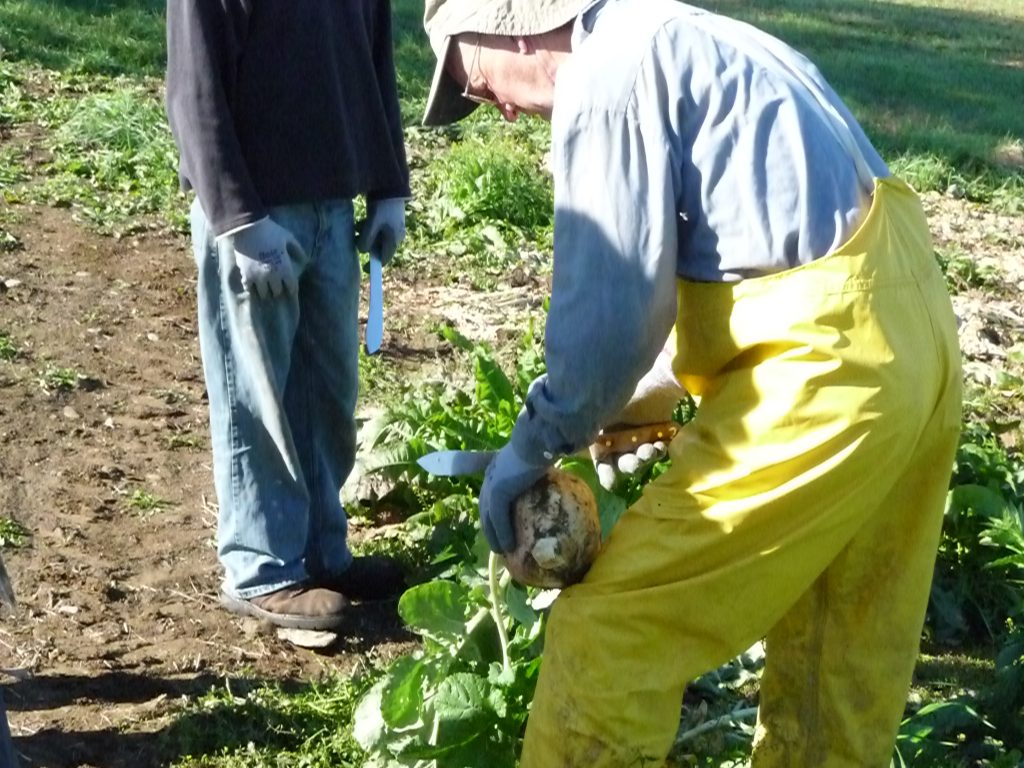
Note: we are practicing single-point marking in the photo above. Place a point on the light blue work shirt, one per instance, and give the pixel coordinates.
(684, 144)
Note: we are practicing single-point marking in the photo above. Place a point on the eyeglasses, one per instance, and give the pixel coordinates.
(476, 99)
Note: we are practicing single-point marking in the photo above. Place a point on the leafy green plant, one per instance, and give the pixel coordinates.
(13, 106)
(12, 533)
(963, 272)
(144, 501)
(930, 736)
(12, 168)
(489, 192)
(438, 416)
(463, 699)
(1004, 699)
(55, 378)
(8, 349)
(979, 577)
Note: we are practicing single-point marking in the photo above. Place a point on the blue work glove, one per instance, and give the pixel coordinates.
(506, 478)
(265, 253)
(383, 229)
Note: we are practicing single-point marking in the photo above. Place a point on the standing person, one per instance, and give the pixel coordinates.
(708, 180)
(283, 112)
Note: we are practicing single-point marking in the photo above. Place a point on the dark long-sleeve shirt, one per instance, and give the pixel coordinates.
(274, 102)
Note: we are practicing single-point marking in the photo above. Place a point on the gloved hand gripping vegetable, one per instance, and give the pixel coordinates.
(544, 520)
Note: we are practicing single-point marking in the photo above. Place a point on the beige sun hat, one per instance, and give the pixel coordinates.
(444, 18)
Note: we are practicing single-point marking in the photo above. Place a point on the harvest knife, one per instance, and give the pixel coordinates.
(375, 310)
(453, 463)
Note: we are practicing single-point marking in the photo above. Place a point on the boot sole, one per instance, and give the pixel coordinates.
(242, 607)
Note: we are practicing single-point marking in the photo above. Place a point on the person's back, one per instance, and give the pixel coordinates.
(761, 176)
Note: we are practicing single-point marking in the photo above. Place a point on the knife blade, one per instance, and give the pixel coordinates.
(375, 309)
(454, 463)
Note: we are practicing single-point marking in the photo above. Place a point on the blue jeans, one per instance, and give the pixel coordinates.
(282, 380)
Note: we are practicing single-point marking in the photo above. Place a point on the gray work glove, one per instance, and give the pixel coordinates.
(383, 229)
(265, 253)
(654, 400)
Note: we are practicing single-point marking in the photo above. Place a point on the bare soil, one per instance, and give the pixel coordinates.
(118, 616)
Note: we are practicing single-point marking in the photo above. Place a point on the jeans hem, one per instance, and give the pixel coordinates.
(264, 589)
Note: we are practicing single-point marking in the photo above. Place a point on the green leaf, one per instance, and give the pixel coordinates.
(610, 507)
(456, 339)
(493, 388)
(461, 708)
(368, 724)
(459, 714)
(518, 607)
(402, 700)
(436, 609)
(977, 498)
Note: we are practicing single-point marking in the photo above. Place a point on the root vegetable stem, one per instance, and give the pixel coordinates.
(499, 619)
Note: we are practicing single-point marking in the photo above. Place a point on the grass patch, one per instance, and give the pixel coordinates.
(268, 727)
(108, 37)
(114, 158)
(925, 78)
(184, 440)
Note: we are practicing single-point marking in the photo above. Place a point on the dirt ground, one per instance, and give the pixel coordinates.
(118, 616)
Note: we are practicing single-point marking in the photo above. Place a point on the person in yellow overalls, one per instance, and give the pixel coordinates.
(709, 183)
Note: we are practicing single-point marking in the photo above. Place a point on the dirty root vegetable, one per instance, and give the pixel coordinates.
(558, 532)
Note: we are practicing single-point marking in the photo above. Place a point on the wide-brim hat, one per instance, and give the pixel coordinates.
(443, 19)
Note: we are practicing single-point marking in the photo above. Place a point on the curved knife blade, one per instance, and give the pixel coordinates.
(454, 463)
(375, 310)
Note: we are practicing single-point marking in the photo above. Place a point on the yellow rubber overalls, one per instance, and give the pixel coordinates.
(803, 505)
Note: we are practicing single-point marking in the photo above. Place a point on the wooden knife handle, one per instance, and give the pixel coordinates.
(627, 439)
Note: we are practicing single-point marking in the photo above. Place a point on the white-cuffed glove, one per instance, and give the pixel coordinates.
(383, 229)
(655, 398)
(265, 253)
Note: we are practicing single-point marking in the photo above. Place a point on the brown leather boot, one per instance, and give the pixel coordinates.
(371, 577)
(300, 606)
